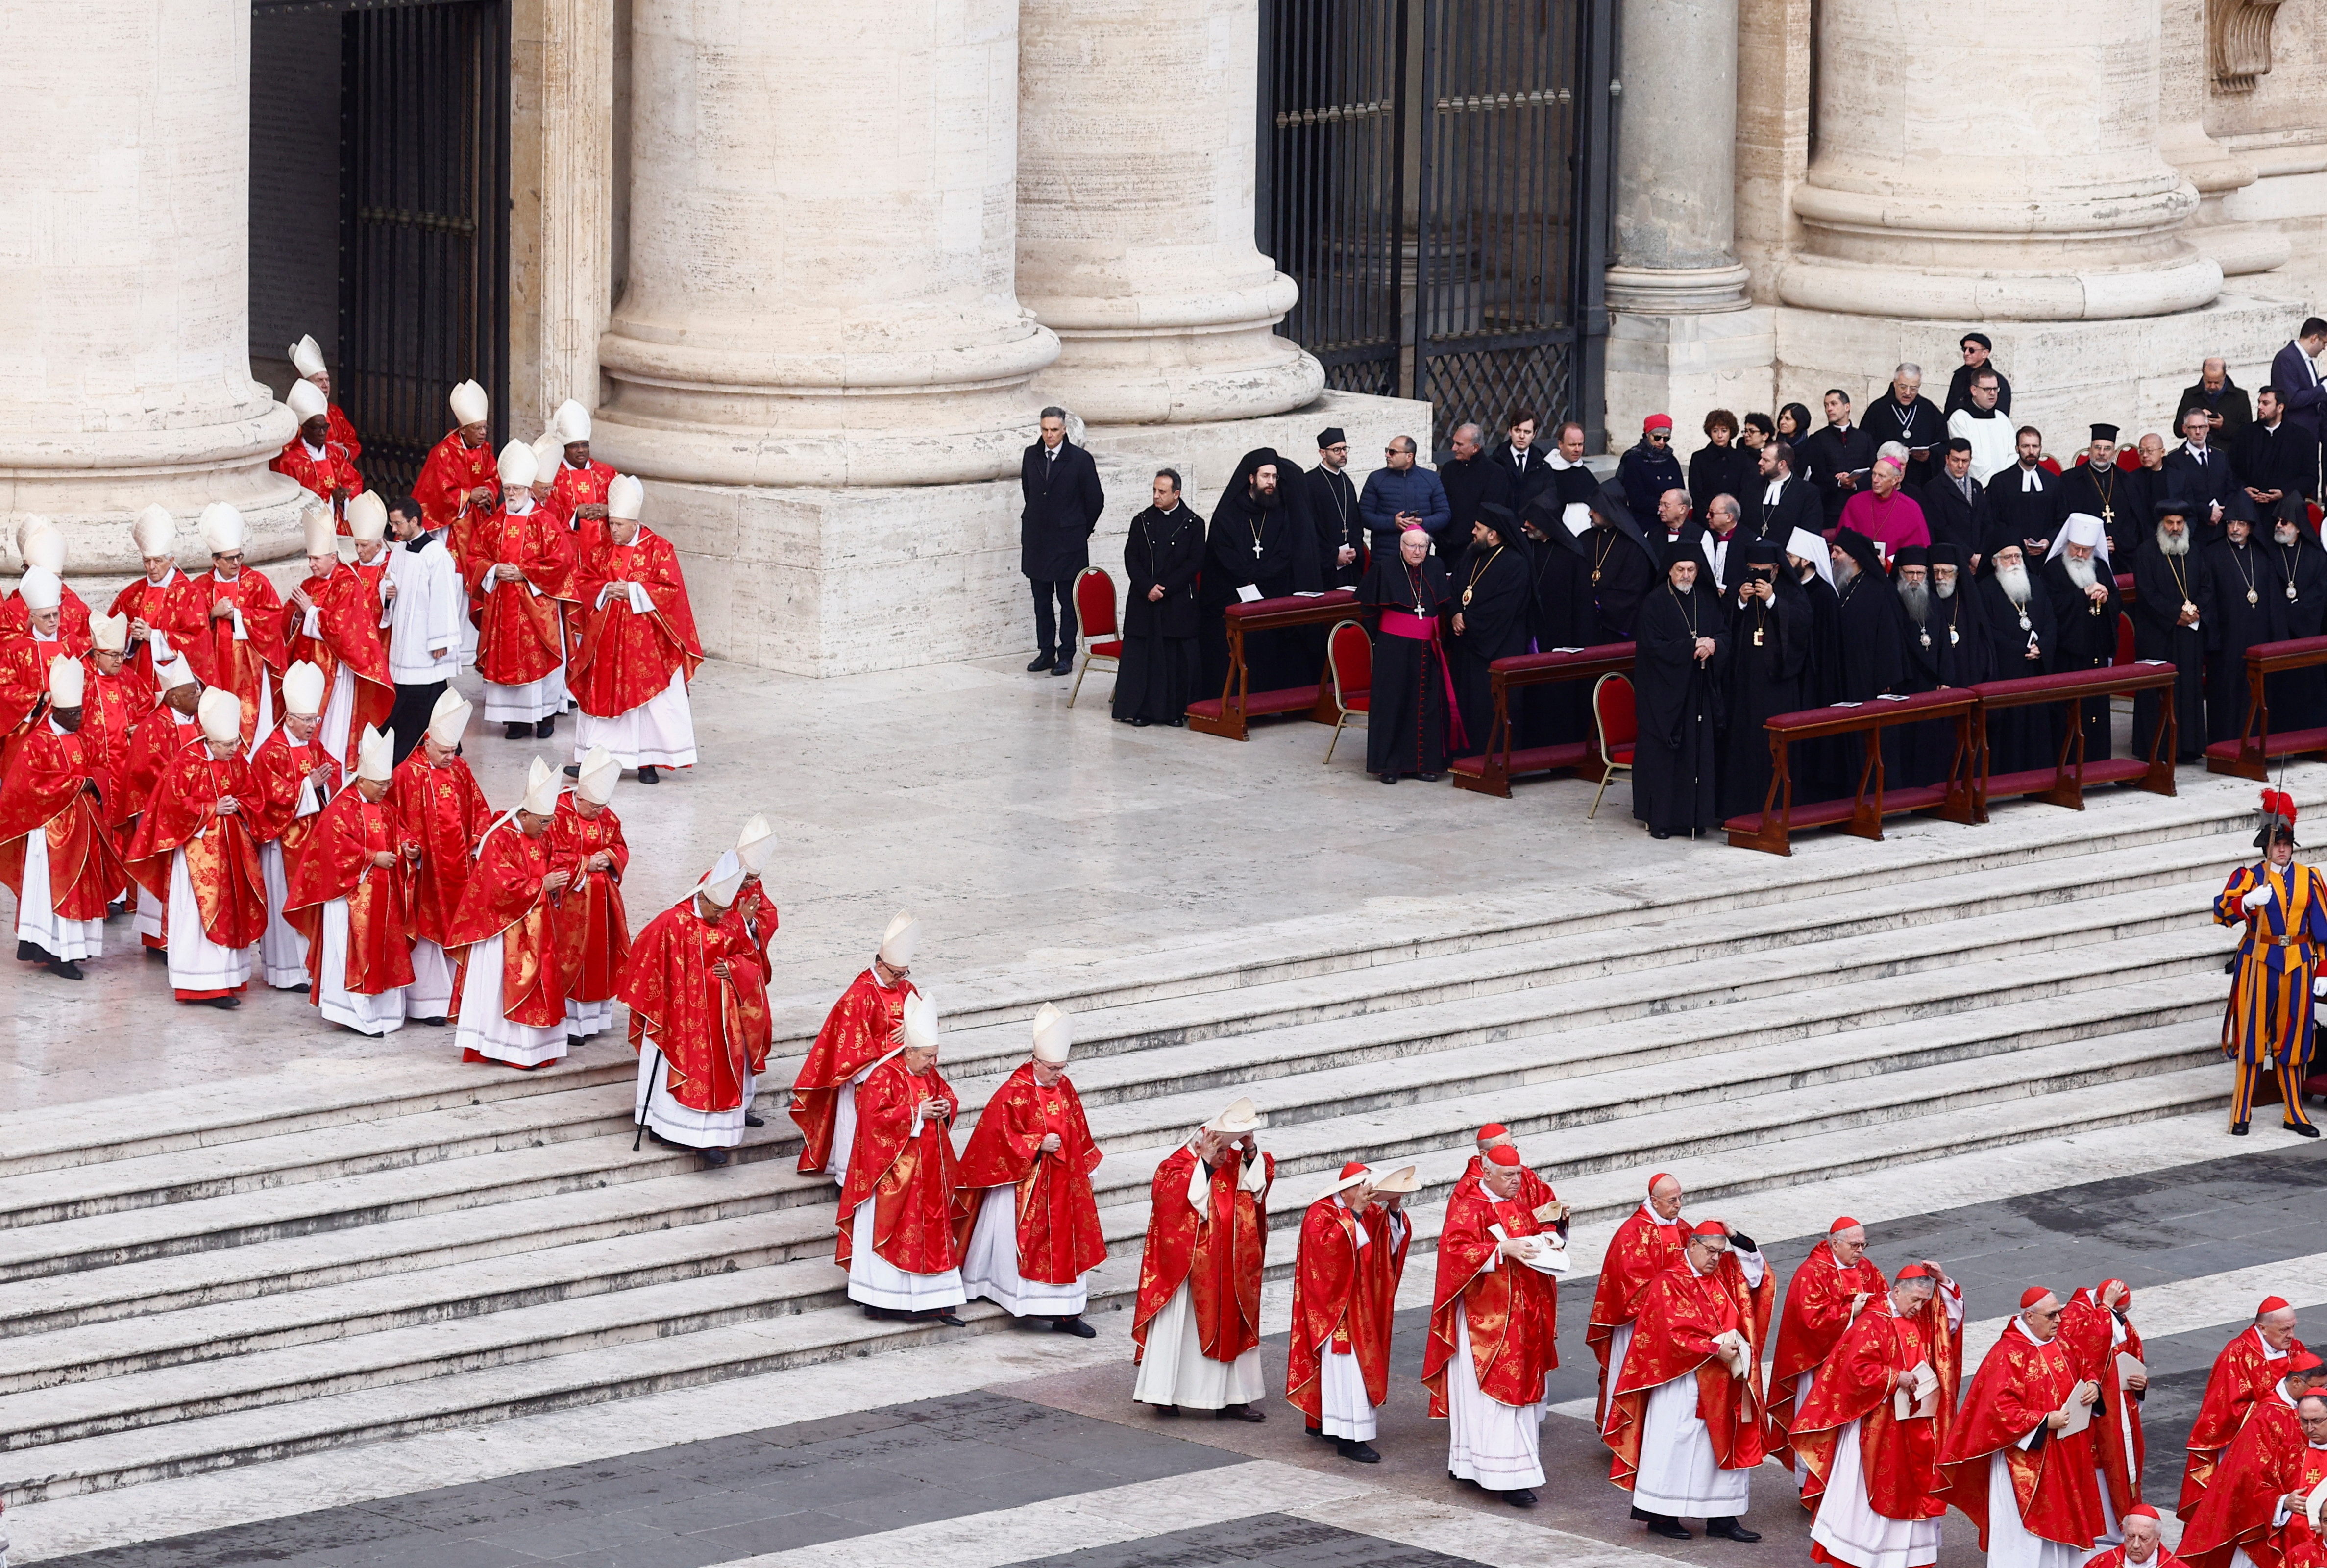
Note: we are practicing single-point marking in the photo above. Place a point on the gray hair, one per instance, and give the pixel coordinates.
(1907, 369)
(1895, 450)
(1469, 427)
(1055, 412)
(1725, 505)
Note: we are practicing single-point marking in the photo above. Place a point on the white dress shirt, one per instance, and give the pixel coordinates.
(425, 613)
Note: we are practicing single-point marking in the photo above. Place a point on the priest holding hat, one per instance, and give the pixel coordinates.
(1345, 1277)
(1824, 1298)
(594, 931)
(1195, 1327)
(512, 998)
(638, 647)
(1029, 1164)
(350, 897)
(193, 850)
(2010, 1464)
(902, 1211)
(57, 853)
(1491, 1343)
(440, 814)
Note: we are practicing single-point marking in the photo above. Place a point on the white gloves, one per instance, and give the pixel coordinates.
(2319, 987)
(2260, 896)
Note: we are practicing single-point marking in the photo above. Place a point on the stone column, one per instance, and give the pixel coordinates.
(1137, 149)
(562, 149)
(1682, 339)
(2183, 70)
(822, 239)
(125, 315)
(2052, 204)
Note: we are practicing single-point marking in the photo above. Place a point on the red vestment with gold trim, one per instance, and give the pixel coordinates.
(1059, 1236)
(1220, 1253)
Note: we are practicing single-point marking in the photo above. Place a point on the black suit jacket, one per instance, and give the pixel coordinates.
(2300, 389)
(1797, 507)
(1953, 520)
(1528, 480)
(2216, 480)
(2285, 459)
(1063, 503)
(1920, 425)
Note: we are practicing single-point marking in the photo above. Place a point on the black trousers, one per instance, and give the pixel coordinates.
(1055, 641)
(409, 717)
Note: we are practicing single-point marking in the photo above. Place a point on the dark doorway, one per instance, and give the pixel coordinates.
(379, 209)
(1433, 174)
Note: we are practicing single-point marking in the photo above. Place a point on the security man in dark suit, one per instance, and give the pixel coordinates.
(1061, 485)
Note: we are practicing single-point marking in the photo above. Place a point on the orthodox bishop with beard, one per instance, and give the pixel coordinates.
(2298, 699)
(2249, 607)
(2170, 580)
(1945, 646)
(2017, 617)
(2082, 587)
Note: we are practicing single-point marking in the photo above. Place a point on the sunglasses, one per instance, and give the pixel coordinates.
(1659, 437)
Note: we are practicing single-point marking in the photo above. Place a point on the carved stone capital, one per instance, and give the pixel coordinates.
(2240, 30)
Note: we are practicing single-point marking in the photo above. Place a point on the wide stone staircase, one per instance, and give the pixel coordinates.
(215, 1281)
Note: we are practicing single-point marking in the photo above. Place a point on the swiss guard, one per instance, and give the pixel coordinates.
(2284, 907)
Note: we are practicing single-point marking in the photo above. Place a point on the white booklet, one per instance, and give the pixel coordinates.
(1545, 1257)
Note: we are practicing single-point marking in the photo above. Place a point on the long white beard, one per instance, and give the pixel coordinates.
(1946, 589)
(1917, 598)
(2285, 533)
(2080, 573)
(2174, 544)
(2014, 579)
(1845, 572)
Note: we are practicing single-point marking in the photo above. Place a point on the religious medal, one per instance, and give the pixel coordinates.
(2023, 620)
(1255, 550)
(2290, 590)
(1954, 636)
(1596, 574)
(1924, 637)
(1466, 599)
(2253, 597)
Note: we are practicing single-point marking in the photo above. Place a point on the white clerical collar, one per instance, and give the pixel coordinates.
(878, 981)
(1559, 463)
(516, 509)
(1776, 486)
(576, 467)
(168, 577)
(1654, 1215)
(314, 453)
(2268, 1354)
(2021, 1323)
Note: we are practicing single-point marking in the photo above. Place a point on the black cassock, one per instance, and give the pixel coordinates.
(2082, 639)
(1819, 766)
(1947, 649)
(2240, 573)
(1563, 616)
(2160, 583)
(1272, 548)
(1494, 578)
(1869, 624)
(1675, 759)
(1620, 574)
(2019, 740)
(1769, 660)
(2298, 699)
(2118, 497)
(1405, 718)
(1160, 668)
(2022, 516)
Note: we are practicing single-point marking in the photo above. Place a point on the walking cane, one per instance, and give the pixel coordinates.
(641, 1118)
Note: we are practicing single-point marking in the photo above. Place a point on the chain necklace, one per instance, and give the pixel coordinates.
(1480, 570)
(2244, 575)
(2291, 566)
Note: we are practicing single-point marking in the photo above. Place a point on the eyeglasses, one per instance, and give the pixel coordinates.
(1660, 439)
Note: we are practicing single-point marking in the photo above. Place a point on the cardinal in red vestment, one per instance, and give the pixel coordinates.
(325, 467)
(332, 621)
(1490, 1330)
(57, 854)
(1870, 1430)
(240, 647)
(2142, 1547)
(1826, 1293)
(2098, 1329)
(692, 981)
(458, 477)
(155, 742)
(504, 935)
(594, 931)
(25, 657)
(2258, 1504)
(367, 521)
(38, 544)
(165, 611)
(1684, 1416)
(2008, 1464)
(519, 563)
(110, 708)
(194, 851)
(2246, 1367)
(290, 777)
(864, 1025)
(903, 1214)
(1195, 1327)
(350, 896)
(307, 358)
(753, 915)
(441, 815)
(577, 495)
(638, 646)
(1345, 1279)
(1645, 1245)
(1028, 1171)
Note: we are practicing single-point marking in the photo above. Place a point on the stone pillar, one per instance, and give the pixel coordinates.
(2184, 70)
(1136, 154)
(822, 239)
(125, 314)
(1681, 338)
(562, 154)
(2047, 205)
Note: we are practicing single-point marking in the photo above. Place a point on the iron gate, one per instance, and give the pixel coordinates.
(1434, 177)
(424, 203)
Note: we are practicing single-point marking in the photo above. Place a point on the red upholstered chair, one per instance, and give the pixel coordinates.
(2128, 457)
(1100, 639)
(1349, 659)
(1617, 728)
(2124, 655)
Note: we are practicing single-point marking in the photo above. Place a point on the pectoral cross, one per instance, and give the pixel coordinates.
(1255, 549)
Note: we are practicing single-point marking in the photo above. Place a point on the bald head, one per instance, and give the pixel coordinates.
(2277, 1327)
(1664, 1197)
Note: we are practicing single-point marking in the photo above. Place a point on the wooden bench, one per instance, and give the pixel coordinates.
(1229, 714)
(2249, 756)
(1491, 772)
(2063, 783)
(1772, 828)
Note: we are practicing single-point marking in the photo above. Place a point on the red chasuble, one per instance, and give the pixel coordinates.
(574, 489)
(627, 658)
(242, 664)
(45, 792)
(172, 609)
(1343, 1297)
(278, 770)
(1220, 1253)
(2018, 1386)
(2243, 1371)
(1818, 1309)
(2086, 1328)
(1511, 1310)
(106, 707)
(2268, 1459)
(347, 619)
(336, 863)
(520, 635)
(504, 898)
(222, 856)
(1680, 1311)
(451, 470)
(756, 912)
(920, 1219)
(864, 1025)
(593, 931)
(701, 1023)
(154, 740)
(442, 811)
(334, 471)
(1641, 1249)
(1899, 1460)
(72, 619)
(1058, 1236)
(2115, 1557)
(23, 684)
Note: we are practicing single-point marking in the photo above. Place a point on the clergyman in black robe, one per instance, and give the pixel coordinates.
(2247, 606)
(1333, 510)
(1258, 540)
(1944, 649)
(1492, 586)
(1160, 668)
(2086, 611)
(1402, 599)
(2171, 585)
(1681, 642)
(2298, 699)
(1872, 630)
(2016, 615)
(1622, 567)
(1768, 652)
(2099, 487)
(1563, 615)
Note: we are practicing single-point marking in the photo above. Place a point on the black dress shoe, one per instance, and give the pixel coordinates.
(713, 1159)
(1180, 722)
(432, 1022)
(1659, 833)
(573, 1042)
(752, 1121)
(221, 1002)
(2301, 1130)
(1139, 723)
(117, 908)
(66, 969)
(1363, 1452)
(1731, 1529)
(1075, 1326)
(1043, 661)
(30, 953)
(1238, 1413)
(947, 1318)
(1389, 778)
(1518, 1498)
(517, 730)
(1670, 1529)
(1315, 1431)
(1065, 667)
(542, 731)
(1427, 778)
(648, 774)
(2238, 1129)
(161, 953)
(1171, 1410)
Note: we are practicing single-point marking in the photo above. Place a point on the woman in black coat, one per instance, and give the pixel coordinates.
(1160, 667)
(1722, 467)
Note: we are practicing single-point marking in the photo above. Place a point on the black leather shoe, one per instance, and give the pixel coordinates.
(1518, 1498)
(1238, 1413)
(517, 730)
(1180, 722)
(1658, 833)
(713, 1159)
(1427, 778)
(2238, 1129)
(30, 953)
(750, 1120)
(542, 731)
(66, 969)
(1064, 666)
(1043, 661)
(947, 1318)
(1731, 1529)
(221, 1002)
(1669, 1529)
(1363, 1452)
(1389, 778)
(573, 1042)
(1075, 1326)
(1139, 723)
(2303, 1129)
(650, 775)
